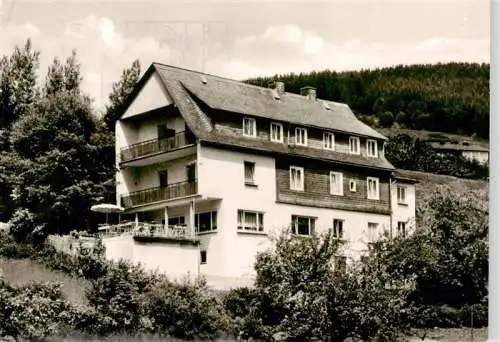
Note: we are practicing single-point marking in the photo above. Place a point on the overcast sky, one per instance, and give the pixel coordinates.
(241, 39)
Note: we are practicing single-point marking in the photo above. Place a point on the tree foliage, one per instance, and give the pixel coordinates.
(409, 153)
(452, 98)
(447, 256)
(121, 90)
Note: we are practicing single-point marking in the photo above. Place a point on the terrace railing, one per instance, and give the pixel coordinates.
(145, 229)
(156, 194)
(154, 146)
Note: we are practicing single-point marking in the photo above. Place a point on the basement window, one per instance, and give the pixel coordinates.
(203, 257)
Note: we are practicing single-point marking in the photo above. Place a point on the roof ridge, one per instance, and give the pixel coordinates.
(163, 65)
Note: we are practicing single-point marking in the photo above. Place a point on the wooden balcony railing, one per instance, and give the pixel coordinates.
(153, 146)
(157, 194)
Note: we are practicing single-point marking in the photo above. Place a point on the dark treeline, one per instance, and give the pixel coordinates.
(452, 98)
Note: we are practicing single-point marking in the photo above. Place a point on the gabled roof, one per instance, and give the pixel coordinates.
(241, 98)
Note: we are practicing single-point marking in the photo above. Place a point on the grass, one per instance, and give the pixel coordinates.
(25, 271)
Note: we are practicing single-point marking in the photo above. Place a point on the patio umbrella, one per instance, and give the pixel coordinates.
(107, 208)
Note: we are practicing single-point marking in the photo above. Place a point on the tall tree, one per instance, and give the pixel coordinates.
(59, 176)
(120, 93)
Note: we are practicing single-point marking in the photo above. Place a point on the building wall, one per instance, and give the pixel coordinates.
(222, 175)
(317, 186)
(233, 125)
(481, 157)
(174, 259)
(403, 212)
(119, 247)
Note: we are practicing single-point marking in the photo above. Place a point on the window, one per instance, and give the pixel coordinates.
(336, 184)
(176, 221)
(276, 132)
(296, 178)
(249, 173)
(354, 145)
(338, 228)
(340, 265)
(301, 136)
(328, 141)
(401, 195)
(205, 222)
(203, 257)
(302, 225)
(249, 127)
(250, 221)
(371, 148)
(163, 178)
(352, 185)
(373, 191)
(372, 231)
(402, 229)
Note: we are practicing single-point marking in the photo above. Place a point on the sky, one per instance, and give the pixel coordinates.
(243, 39)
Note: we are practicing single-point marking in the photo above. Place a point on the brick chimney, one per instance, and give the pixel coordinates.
(278, 86)
(309, 92)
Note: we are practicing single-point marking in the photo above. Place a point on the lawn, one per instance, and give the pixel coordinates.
(25, 271)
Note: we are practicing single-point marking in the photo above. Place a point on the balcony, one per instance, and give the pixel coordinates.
(158, 194)
(156, 147)
(144, 230)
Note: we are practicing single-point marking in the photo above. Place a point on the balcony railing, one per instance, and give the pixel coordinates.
(153, 146)
(144, 229)
(171, 191)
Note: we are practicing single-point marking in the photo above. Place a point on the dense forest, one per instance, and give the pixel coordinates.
(451, 98)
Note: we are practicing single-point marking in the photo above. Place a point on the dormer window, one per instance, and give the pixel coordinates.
(371, 148)
(249, 127)
(354, 145)
(301, 136)
(276, 132)
(328, 141)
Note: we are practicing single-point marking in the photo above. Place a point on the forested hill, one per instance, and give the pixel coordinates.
(452, 98)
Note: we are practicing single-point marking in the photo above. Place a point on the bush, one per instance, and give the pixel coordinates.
(12, 250)
(22, 224)
(386, 119)
(186, 310)
(35, 312)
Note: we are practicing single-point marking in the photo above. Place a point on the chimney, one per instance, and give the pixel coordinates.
(309, 92)
(278, 86)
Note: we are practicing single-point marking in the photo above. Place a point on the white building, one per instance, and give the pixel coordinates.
(215, 166)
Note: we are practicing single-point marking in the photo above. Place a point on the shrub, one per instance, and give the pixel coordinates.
(386, 119)
(35, 312)
(186, 310)
(22, 224)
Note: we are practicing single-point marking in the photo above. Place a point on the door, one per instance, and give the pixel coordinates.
(191, 173)
(166, 138)
(163, 176)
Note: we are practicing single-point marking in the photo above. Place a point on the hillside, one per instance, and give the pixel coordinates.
(451, 98)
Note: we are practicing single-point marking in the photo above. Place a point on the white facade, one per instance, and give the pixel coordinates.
(224, 254)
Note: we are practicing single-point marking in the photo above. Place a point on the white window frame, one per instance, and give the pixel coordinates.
(338, 230)
(339, 177)
(402, 224)
(401, 199)
(213, 221)
(280, 130)
(329, 141)
(301, 132)
(377, 188)
(369, 151)
(243, 226)
(295, 225)
(300, 185)
(352, 185)
(249, 181)
(253, 124)
(372, 231)
(356, 143)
